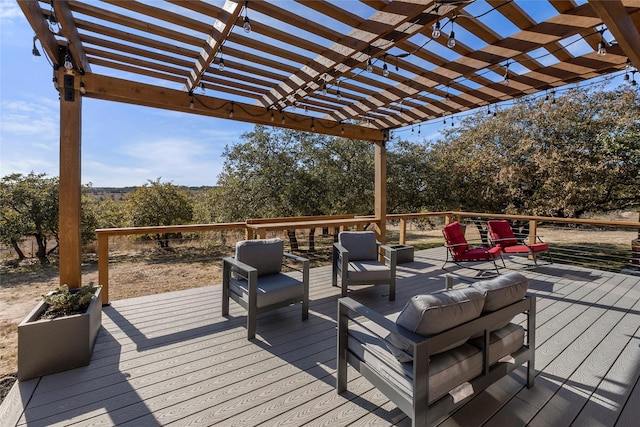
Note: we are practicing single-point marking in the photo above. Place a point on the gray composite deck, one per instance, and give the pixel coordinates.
(171, 359)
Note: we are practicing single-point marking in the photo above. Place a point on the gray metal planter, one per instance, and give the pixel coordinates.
(52, 345)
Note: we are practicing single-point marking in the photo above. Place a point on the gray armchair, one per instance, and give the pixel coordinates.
(254, 279)
(355, 262)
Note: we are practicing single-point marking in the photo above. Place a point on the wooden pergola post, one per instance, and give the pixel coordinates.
(380, 208)
(70, 180)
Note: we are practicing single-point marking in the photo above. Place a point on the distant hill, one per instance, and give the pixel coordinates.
(119, 193)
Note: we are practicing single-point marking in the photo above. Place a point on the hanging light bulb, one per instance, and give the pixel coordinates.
(282, 121)
(247, 24)
(191, 105)
(369, 66)
(68, 65)
(313, 125)
(55, 83)
(34, 49)
(202, 88)
(324, 89)
(342, 130)
(338, 94)
(231, 112)
(419, 128)
(385, 70)
(452, 37)
(272, 118)
(83, 89)
(506, 75)
(54, 24)
(435, 32)
(602, 46)
(626, 77)
(633, 80)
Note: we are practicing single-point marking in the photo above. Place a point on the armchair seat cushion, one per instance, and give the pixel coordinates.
(446, 370)
(363, 271)
(536, 247)
(477, 254)
(272, 289)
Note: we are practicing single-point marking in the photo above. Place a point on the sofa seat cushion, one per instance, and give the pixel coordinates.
(272, 289)
(502, 342)
(364, 271)
(502, 291)
(447, 370)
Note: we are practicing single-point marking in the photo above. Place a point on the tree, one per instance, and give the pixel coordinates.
(578, 154)
(29, 207)
(156, 203)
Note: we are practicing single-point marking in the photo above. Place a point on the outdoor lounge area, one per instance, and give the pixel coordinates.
(172, 359)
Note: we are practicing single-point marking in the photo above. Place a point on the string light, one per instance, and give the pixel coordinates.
(54, 24)
(602, 45)
(282, 120)
(385, 70)
(83, 89)
(369, 65)
(435, 33)
(68, 65)
(191, 105)
(633, 79)
(202, 88)
(272, 118)
(247, 23)
(338, 94)
(506, 75)
(313, 125)
(231, 112)
(221, 62)
(452, 37)
(34, 50)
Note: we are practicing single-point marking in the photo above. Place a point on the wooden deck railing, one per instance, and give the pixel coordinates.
(260, 227)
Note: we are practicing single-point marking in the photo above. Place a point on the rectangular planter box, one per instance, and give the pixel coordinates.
(405, 253)
(52, 345)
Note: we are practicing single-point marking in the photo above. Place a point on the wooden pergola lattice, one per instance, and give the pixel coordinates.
(304, 64)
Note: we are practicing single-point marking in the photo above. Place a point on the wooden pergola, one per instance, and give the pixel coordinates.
(354, 69)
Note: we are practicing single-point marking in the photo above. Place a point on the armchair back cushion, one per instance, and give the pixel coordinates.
(361, 245)
(502, 233)
(454, 236)
(265, 255)
(502, 291)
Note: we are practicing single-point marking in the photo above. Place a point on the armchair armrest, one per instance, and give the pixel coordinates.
(390, 254)
(239, 265)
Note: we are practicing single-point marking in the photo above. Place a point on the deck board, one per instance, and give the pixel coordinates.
(172, 359)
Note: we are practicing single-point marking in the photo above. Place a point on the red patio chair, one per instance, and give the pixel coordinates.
(502, 236)
(461, 253)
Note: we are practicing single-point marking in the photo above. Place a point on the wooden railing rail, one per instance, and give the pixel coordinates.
(533, 221)
(103, 243)
(260, 226)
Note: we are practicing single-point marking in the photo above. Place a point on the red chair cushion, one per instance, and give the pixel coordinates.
(501, 233)
(536, 247)
(479, 254)
(453, 235)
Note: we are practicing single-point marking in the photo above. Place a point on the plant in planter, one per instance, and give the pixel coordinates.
(60, 331)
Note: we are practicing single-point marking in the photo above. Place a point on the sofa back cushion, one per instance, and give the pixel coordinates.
(265, 255)
(434, 313)
(502, 291)
(361, 245)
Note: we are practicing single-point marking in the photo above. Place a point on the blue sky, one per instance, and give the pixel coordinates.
(122, 145)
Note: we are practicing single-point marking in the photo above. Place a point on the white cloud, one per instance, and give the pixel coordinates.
(9, 10)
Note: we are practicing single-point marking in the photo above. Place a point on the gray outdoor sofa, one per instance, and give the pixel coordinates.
(442, 348)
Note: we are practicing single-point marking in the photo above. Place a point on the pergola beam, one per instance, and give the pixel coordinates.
(119, 90)
(616, 18)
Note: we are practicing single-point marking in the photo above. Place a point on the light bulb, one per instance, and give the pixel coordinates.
(436, 30)
(221, 64)
(83, 89)
(231, 113)
(385, 70)
(68, 65)
(338, 95)
(191, 105)
(369, 66)
(602, 50)
(55, 83)
(452, 40)
(202, 89)
(324, 89)
(271, 119)
(626, 77)
(247, 25)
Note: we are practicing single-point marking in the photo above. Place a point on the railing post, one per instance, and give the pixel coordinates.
(103, 266)
(403, 230)
(533, 231)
